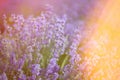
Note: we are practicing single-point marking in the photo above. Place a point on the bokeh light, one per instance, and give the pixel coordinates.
(59, 40)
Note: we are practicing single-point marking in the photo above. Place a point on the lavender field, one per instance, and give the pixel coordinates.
(59, 40)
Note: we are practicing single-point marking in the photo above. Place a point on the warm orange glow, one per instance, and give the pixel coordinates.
(102, 54)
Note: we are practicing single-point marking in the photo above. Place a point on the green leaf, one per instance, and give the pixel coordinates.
(46, 53)
(63, 60)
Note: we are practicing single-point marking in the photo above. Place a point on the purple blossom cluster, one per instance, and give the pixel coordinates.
(37, 48)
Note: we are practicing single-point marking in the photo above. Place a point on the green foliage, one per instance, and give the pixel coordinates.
(46, 55)
(63, 60)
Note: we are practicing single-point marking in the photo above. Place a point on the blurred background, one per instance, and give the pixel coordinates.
(100, 19)
(77, 9)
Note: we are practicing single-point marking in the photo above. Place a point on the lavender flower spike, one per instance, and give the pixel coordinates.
(35, 69)
(3, 76)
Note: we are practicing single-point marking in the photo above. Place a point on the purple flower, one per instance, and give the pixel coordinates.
(3, 76)
(35, 69)
(20, 62)
(33, 77)
(29, 36)
(67, 71)
(60, 38)
(13, 59)
(52, 69)
(30, 49)
(55, 77)
(22, 77)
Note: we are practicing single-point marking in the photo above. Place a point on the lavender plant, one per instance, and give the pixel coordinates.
(37, 48)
